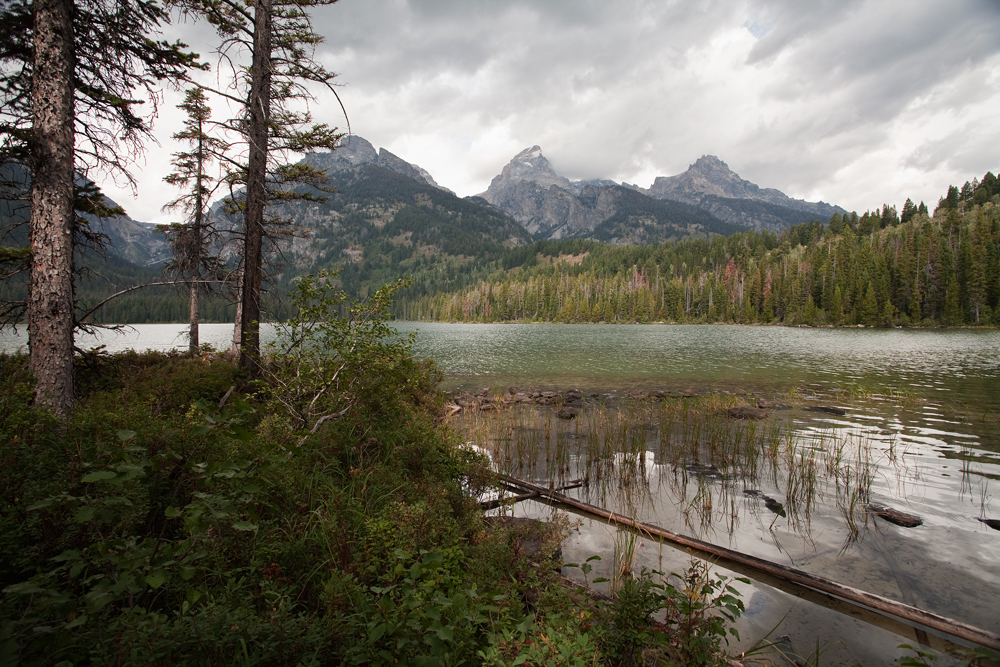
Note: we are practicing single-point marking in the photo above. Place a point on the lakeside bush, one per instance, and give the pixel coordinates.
(161, 525)
(188, 514)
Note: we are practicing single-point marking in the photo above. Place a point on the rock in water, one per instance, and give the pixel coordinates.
(992, 523)
(828, 410)
(566, 413)
(774, 506)
(770, 503)
(893, 515)
(746, 412)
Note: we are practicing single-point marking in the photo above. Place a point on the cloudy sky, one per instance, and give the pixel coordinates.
(852, 102)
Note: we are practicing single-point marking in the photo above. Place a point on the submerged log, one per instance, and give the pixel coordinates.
(493, 504)
(893, 515)
(885, 605)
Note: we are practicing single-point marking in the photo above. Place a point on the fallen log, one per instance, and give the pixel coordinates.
(497, 502)
(893, 515)
(885, 605)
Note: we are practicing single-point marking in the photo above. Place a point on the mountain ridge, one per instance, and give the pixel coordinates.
(710, 176)
(550, 206)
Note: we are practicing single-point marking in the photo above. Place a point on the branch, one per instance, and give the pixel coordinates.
(334, 415)
(135, 287)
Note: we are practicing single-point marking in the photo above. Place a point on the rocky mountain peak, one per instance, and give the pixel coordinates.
(528, 166)
(708, 164)
(710, 176)
(353, 151)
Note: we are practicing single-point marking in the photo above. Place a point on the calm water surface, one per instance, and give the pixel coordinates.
(922, 404)
(926, 403)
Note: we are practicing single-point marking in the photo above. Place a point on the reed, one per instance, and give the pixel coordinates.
(633, 453)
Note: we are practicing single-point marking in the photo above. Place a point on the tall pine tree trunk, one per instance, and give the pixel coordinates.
(197, 229)
(257, 131)
(193, 343)
(50, 299)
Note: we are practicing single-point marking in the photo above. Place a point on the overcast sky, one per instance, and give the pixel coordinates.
(850, 102)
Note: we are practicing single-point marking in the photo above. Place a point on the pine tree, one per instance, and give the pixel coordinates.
(952, 315)
(837, 307)
(191, 242)
(279, 37)
(69, 77)
(869, 308)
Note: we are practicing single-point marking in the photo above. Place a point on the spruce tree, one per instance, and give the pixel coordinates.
(70, 75)
(191, 241)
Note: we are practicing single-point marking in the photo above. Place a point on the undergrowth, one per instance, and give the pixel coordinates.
(320, 515)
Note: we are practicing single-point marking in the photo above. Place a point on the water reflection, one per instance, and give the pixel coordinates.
(800, 488)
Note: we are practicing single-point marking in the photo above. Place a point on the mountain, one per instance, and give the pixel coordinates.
(128, 239)
(550, 206)
(711, 185)
(385, 219)
(353, 151)
(708, 197)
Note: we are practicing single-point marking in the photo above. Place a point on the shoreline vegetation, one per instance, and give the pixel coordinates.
(323, 513)
(874, 270)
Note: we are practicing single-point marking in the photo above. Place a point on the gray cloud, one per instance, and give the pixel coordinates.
(856, 102)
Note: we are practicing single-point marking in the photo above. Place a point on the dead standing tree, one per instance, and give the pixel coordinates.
(191, 242)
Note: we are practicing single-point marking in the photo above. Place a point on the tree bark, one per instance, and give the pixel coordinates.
(193, 344)
(197, 224)
(257, 135)
(50, 299)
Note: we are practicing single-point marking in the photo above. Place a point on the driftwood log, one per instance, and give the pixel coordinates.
(877, 602)
(497, 502)
(893, 515)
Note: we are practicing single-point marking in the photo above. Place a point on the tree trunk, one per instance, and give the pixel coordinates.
(50, 299)
(238, 328)
(197, 224)
(257, 135)
(193, 344)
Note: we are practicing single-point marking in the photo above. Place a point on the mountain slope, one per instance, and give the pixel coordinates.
(131, 240)
(550, 206)
(710, 184)
(381, 224)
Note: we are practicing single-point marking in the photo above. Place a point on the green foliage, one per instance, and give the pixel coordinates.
(968, 657)
(425, 615)
(945, 270)
(698, 615)
(557, 640)
(334, 353)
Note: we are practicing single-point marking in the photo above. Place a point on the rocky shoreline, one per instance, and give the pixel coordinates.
(567, 402)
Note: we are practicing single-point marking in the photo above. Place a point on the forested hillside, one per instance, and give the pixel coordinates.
(875, 270)
(468, 261)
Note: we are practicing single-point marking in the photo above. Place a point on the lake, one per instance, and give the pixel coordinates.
(920, 432)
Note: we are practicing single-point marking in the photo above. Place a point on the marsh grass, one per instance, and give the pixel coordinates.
(632, 453)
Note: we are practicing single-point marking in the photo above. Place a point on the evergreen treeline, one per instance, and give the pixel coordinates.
(874, 269)
(104, 276)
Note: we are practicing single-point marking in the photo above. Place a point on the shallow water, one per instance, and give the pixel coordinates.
(925, 405)
(921, 424)
(735, 495)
